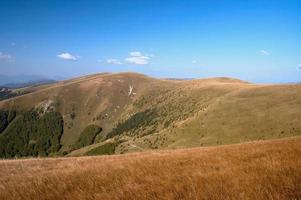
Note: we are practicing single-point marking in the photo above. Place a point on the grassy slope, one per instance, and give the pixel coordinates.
(256, 170)
(95, 99)
(189, 113)
(225, 113)
(261, 112)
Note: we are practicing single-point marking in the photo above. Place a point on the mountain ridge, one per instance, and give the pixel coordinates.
(136, 112)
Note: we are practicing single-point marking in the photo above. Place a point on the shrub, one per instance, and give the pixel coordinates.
(72, 115)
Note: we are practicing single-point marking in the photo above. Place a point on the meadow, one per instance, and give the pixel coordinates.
(256, 170)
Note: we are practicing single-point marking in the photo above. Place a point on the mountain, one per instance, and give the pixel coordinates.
(10, 85)
(19, 81)
(126, 112)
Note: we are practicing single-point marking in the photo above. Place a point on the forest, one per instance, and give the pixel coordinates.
(27, 134)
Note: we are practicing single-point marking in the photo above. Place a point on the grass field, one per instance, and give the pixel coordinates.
(257, 170)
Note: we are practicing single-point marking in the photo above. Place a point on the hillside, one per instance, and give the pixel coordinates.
(258, 170)
(134, 113)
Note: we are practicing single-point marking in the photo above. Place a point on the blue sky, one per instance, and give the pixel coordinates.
(258, 41)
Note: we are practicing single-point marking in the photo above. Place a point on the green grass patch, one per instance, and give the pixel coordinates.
(145, 118)
(105, 149)
(88, 136)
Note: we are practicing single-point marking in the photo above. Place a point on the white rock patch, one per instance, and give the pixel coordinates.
(45, 105)
(130, 90)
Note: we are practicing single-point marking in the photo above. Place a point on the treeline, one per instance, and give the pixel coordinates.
(28, 134)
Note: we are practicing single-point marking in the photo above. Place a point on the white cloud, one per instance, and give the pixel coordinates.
(298, 67)
(67, 56)
(5, 57)
(135, 54)
(138, 58)
(113, 61)
(264, 53)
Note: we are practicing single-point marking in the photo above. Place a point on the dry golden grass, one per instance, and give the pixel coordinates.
(258, 170)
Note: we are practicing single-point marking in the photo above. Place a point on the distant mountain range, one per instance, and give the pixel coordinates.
(19, 81)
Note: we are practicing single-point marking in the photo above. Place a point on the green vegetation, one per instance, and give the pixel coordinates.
(11, 115)
(5, 118)
(32, 135)
(145, 118)
(105, 149)
(88, 136)
(6, 93)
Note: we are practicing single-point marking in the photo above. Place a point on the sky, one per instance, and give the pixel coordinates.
(257, 41)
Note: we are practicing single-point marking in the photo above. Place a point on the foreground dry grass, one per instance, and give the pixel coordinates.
(259, 170)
